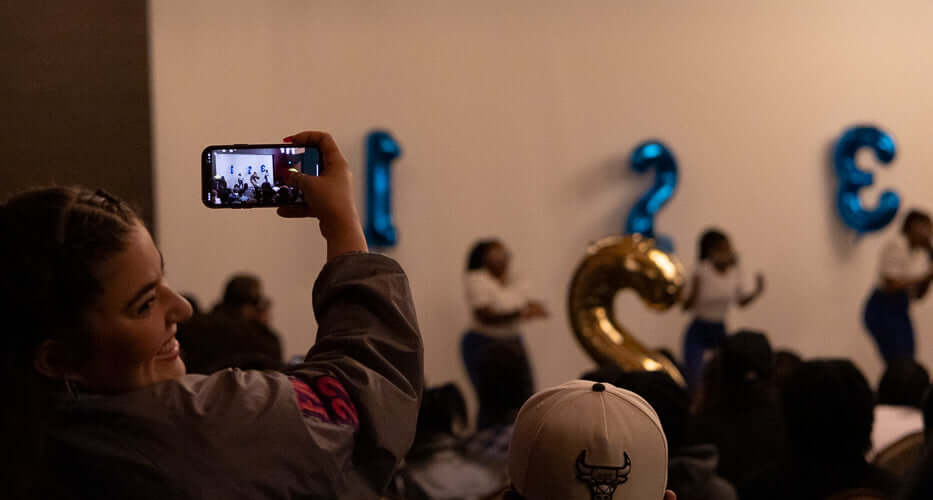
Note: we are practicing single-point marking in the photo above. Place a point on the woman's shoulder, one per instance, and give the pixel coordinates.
(228, 393)
(224, 392)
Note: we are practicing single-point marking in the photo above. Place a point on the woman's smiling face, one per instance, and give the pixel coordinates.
(132, 324)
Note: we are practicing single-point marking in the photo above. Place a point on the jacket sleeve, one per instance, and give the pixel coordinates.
(368, 340)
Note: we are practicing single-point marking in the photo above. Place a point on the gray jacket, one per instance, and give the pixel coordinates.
(335, 426)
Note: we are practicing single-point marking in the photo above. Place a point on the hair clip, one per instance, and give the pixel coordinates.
(107, 196)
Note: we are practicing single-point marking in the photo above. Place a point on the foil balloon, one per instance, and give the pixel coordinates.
(852, 179)
(381, 150)
(646, 156)
(610, 265)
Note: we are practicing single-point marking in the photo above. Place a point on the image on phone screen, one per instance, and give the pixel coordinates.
(254, 176)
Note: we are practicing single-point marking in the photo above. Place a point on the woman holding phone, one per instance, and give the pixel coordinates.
(98, 404)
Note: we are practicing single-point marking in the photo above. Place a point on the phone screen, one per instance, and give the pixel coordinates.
(245, 176)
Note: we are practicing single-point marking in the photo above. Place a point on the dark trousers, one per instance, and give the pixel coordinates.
(701, 336)
(501, 375)
(887, 317)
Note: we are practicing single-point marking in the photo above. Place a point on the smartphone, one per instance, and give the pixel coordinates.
(253, 175)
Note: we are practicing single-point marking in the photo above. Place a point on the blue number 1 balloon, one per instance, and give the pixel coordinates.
(852, 179)
(381, 149)
(652, 155)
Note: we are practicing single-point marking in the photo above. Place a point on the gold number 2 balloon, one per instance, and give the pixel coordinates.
(610, 265)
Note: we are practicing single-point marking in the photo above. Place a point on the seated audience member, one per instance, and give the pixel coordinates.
(900, 394)
(706, 395)
(669, 354)
(244, 298)
(437, 468)
(785, 362)
(919, 485)
(740, 415)
(195, 304)
(603, 373)
(692, 468)
(829, 411)
(213, 342)
(236, 334)
(266, 191)
(927, 408)
(588, 441)
(98, 404)
(285, 195)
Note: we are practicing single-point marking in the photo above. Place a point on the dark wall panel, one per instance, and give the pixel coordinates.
(74, 97)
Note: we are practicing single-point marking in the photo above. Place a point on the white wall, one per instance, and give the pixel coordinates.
(516, 119)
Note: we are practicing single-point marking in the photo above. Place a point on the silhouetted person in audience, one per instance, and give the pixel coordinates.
(603, 373)
(195, 304)
(900, 394)
(437, 466)
(829, 411)
(236, 334)
(214, 342)
(244, 298)
(221, 188)
(927, 408)
(919, 486)
(904, 383)
(785, 362)
(692, 467)
(285, 195)
(669, 354)
(740, 415)
(266, 191)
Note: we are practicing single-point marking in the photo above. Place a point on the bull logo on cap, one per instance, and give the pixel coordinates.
(601, 479)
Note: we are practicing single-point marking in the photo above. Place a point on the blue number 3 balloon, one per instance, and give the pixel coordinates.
(648, 155)
(381, 149)
(852, 179)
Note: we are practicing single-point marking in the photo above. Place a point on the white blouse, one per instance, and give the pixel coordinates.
(717, 291)
(899, 261)
(483, 290)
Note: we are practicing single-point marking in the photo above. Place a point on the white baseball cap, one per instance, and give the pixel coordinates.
(588, 441)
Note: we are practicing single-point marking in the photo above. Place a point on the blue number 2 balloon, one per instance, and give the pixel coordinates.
(652, 155)
(852, 179)
(381, 149)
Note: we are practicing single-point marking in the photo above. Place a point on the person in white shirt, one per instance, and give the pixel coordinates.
(906, 275)
(492, 349)
(717, 284)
